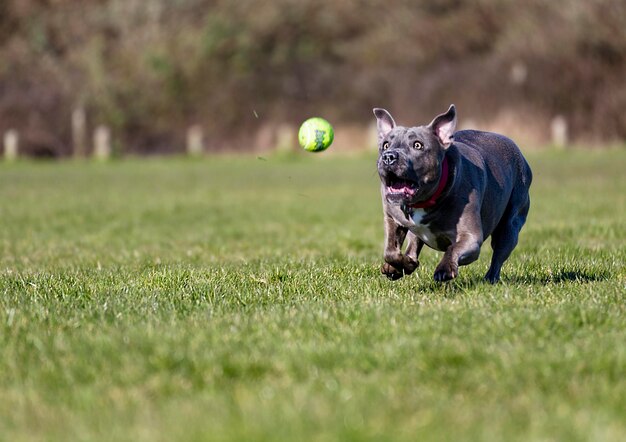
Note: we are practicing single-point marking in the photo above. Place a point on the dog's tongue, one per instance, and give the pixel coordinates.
(402, 188)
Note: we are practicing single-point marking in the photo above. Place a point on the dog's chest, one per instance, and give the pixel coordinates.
(422, 231)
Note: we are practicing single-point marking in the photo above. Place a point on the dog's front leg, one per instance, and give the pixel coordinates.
(396, 263)
(413, 249)
(464, 251)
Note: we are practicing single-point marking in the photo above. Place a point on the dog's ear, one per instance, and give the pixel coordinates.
(444, 126)
(384, 121)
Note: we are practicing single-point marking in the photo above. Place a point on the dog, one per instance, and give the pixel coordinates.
(451, 191)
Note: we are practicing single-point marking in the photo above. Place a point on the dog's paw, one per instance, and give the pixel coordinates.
(446, 272)
(391, 272)
(492, 279)
(410, 265)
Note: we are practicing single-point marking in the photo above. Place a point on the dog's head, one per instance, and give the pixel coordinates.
(409, 160)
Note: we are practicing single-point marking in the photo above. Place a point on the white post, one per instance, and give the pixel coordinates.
(195, 145)
(558, 129)
(79, 132)
(102, 143)
(468, 124)
(519, 73)
(286, 138)
(11, 145)
(372, 137)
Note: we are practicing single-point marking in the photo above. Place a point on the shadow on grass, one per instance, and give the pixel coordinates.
(452, 288)
(560, 276)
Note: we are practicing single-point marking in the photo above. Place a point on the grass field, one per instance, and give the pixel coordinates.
(239, 298)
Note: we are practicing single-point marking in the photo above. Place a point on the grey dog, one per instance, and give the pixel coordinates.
(449, 190)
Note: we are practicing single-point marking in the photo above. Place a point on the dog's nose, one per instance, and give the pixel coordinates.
(389, 158)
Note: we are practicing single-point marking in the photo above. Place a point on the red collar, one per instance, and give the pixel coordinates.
(442, 184)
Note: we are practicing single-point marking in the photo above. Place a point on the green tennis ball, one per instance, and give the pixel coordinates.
(316, 134)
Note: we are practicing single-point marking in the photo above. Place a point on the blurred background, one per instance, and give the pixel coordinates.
(158, 75)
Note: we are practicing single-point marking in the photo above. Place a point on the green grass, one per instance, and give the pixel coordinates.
(240, 298)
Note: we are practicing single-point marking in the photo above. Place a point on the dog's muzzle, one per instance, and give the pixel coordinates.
(388, 158)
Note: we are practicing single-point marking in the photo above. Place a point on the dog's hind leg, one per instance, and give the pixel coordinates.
(504, 237)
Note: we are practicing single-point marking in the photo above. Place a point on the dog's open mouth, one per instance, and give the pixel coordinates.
(398, 187)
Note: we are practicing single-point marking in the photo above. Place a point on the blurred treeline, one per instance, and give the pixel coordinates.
(151, 68)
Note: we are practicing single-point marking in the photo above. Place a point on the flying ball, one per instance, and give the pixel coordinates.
(316, 134)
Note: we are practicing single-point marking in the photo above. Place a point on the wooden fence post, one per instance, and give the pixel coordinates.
(102, 143)
(286, 138)
(558, 129)
(79, 132)
(11, 145)
(195, 144)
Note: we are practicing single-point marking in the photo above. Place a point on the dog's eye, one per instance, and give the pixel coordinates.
(386, 145)
(417, 145)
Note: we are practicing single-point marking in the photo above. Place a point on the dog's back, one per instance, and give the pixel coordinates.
(499, 152)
